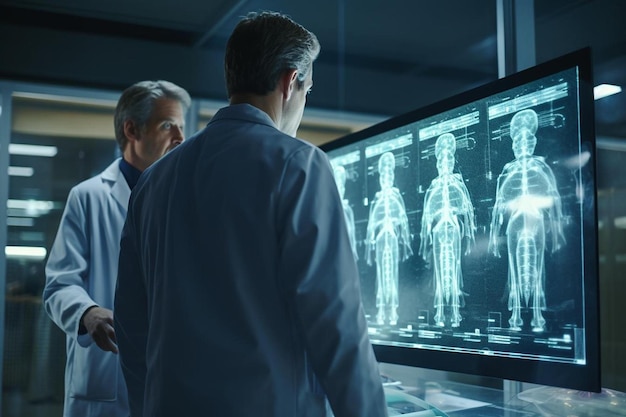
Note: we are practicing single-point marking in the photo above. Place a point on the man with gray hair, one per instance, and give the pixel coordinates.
(238, 293)
(82, 268)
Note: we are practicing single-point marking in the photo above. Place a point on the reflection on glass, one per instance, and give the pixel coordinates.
(340, 180)
(387, 230)
(528, 200)
(448, 218)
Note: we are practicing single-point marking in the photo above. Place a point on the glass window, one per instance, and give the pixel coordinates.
(611, 165)
(56, 141)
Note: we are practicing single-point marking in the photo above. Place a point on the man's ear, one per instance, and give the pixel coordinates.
(130, 130)
(289, 82)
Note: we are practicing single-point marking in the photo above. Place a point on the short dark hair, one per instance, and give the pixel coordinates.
(263, 46)
(137, 103)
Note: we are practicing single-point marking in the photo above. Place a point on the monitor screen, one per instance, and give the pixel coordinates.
(473, 224)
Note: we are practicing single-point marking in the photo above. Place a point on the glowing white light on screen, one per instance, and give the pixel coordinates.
(21, 171)
(604, 90)
(32, 252)
(32, 150)
(578, 161)
(529, 203)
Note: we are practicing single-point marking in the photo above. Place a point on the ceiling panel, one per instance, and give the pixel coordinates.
(399, 53)
(188, 15)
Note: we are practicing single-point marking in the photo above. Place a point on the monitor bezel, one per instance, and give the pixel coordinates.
(568, 375)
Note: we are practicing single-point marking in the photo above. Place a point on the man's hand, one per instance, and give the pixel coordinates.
(99, 324)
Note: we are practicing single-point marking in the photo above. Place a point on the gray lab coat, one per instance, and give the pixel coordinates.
(238, 294)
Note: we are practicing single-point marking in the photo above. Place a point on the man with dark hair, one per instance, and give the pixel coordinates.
(82, 267)
(238, 293)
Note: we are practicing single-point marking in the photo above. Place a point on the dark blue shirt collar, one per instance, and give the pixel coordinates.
(131, 174)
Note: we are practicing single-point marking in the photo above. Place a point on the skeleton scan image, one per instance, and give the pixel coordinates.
(387, 234)
(528, 201)
(488, 194)
(448, 218)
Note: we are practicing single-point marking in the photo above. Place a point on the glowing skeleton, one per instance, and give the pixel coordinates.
(448, 218)
(387, 229)
(340, 179)
(528, 198)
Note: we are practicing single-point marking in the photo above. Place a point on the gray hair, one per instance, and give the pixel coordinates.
(263, 46)
(137, 104)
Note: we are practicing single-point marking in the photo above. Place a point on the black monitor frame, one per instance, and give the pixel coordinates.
(584, 375)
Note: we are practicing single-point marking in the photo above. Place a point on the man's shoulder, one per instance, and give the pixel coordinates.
(89, 185)
(96, 183)
(262, 138)
(293, 144)
(257, 126)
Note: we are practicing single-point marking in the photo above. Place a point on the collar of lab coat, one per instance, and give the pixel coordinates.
(246, 112)
(119, 188)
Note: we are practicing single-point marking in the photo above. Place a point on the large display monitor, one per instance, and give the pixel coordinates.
(473, 223)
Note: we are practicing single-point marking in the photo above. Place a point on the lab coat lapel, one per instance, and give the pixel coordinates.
(120, 189)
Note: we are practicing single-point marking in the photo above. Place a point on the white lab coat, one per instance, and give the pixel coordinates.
(80, 273)
(237, 281)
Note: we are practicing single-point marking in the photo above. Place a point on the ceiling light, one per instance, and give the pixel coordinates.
(604, 90)
(620, 222)
(32, 150)
(29, 208)
(53, 98)
(21, 171)
(20, 221)
(30, 204)
(32, 252)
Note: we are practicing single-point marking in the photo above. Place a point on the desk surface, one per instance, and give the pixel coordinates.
(460, 400)
(465, 400)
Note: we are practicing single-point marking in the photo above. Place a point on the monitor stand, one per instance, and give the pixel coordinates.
(510, 392)
(510, 389)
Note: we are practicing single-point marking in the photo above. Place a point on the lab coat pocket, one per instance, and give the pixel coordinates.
(93, 374)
